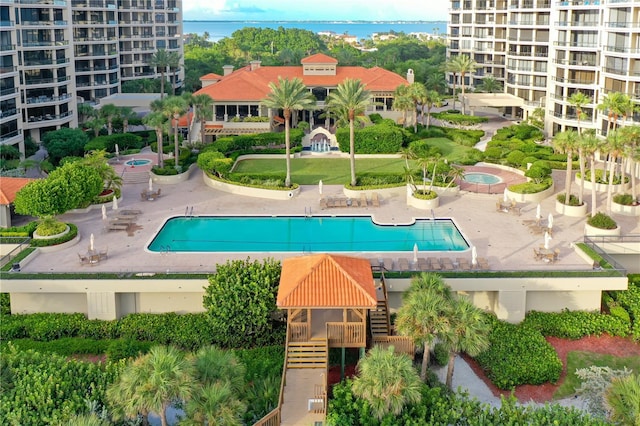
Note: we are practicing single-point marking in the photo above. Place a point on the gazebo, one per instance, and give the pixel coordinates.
(9, 187)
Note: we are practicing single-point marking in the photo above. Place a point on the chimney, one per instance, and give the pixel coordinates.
(255, 65)
(410, 76)
(227, 69)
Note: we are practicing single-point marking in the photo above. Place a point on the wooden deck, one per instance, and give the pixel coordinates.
(298, 392)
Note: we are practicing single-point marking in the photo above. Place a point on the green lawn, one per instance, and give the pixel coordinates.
(332, 171)
(582, 359)
(452, 151)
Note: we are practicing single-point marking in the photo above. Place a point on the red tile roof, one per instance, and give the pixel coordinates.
(326, 280)
(247, 85)
(9, 186)
(319, 58)
(211, 76)
(184, 121)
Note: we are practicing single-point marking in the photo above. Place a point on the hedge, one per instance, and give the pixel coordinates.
(575, 324)
(73, 232)
(377, 139)
(518, 355)
(230, 144)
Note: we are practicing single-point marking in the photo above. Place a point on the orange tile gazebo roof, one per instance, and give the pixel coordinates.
(326, 281)
(9, 186)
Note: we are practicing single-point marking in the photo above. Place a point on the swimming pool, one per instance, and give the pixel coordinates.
(261, 234)
(482, 178)
(137, 162)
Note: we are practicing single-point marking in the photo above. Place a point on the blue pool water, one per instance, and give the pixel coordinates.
(482, 178)
(137, 162)
(303, 234)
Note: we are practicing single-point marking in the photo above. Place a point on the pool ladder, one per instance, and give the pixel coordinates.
(307, 212)
(188, 212)
(165, 249)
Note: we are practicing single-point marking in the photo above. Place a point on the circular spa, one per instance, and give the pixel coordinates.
(482, 178)
(142, 162)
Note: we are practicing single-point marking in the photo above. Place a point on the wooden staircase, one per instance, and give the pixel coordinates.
(312, 354)
(379, 320)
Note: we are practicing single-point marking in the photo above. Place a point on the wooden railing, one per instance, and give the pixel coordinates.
(386, 299)
(402, 344)
(298, 332)
(347, 335)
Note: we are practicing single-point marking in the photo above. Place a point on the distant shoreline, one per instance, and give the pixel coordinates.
(316, 21)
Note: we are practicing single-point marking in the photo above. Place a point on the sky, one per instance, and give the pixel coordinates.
(323, 10)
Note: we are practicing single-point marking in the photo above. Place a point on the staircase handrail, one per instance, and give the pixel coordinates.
(386, 298)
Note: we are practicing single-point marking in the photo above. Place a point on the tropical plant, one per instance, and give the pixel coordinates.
(173, 108)
(350, 99)
(614, 145)
(85, 111)
(566, 142)
(388, 382)
(623, 400)
(97, 160)
(467, 331)
(631, 152)
(402, 101)
(203, 105)
(160, 60)
(463, 64)
(418, 95)
(108, 112)
(63, 143)
(490, 85)
(173, 62)
(151, 383)
(95, 124)
(616, 105)
(215, 404)
(288, 95)
(424, 311)
(594, 382)
(432, 99)
(158, 121)
(579, 100)
(452, 67)
(127, 114)
(590, 144)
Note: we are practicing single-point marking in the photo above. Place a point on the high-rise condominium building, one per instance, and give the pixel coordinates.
(55, 54)
(544, 51)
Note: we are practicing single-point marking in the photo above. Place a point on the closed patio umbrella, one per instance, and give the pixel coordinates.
(91, 242)
(505, 197)
(474, 256)
(150, 184)
(550, 220)
(547, 238)
(104, 212)
(115, 203)
(415, 253)
(320, 187)
(538, 213)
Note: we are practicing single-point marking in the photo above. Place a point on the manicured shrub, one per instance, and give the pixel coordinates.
(602, 221)
(493, 153)
(573, 200)
(537, 174)
(377, 139)
(531, 187)
(126, 348)
(425, 195)
(515, 158)
(440, 355)
(423, 149)
(575, 324)
(375, 118)
(5, 304)
(620, 313)
(518, 355)
(630, 300)
(73, 232)
(624, 199)
(603, 178)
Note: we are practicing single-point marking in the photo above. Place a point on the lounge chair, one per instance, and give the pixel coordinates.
(403, 264)
(423, 265)
(343, 202)
(434, 263)
(375, 201)
(363, 200)
(463, 264)
(483, 263)
(387, 263)
(129, 212)
(117, 227)
(447, 264)
(323, 203)
(353, 202)
(536, 254)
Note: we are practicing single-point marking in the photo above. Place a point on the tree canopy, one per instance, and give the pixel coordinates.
(64, 143)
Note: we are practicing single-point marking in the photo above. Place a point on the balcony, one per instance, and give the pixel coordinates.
(49, 117)
(43, 23)
(7, 47)
(45, 99)
(581, 44)
(575, 80)
(45, 43)
(9, 113)
(619, 49)
(583, 63)
(7, 24)
(44, 2)
(8, 69)
(37, 81)
(4, 137)
(8, 92)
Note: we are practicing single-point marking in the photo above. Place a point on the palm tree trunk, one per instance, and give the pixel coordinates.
(582, 171)
(159, 143)
(163, 415)
(633, 168)
(287, 145)
(610, 187)
(425, 361)
(462, 88)
(415, 118)
(450, 366)
(202, 124)
(161, 84)
(352, 152)
(593, 185)
(567, 178)
(428, 117)
(109, 126)
(454, 90)
(175, 142)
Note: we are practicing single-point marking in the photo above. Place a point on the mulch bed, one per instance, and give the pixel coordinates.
(604, 344)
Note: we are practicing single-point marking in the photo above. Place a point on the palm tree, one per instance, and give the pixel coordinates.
(95, 124)
(616, 105)
(631, 152)
(215, 404)
(157, 120)
(468, 331)
(349, 100)
(565, 142)
(417, 93)
(387, 382)
(203, 111)
(623, 399)
(452, 67)
(108, 112)
(151, 383)
(423, 314)
(615, 146)
(173, 108)
(98, 160)
(579, 100)
(213, 365)
(402, 102)
(85, 111)
(490, 85)
(591, 144)
(465, 65)
(174, 65)
(160, 60)
(432, 99)
(127, 113)
(288, 95)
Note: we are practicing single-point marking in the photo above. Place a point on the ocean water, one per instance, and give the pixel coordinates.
(362, 29)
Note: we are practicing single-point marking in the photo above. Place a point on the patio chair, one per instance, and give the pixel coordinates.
(375, 263)
(84, 260)
(556, 254)
(343, 202)
(363, 200)
(375, 201)
(117, 227)
(434, 263)
(103, 254)
(353, 202)
(144, 195)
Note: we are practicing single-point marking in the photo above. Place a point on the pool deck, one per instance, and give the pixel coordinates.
(502, 238)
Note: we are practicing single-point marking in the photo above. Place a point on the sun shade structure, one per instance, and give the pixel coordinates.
(326, 281)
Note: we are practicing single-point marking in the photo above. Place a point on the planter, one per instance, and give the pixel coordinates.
(572, 211)
(531, 198)
(173, 179)
(50, 237)
(625, 210)
(419, 203)
(272, 194)
(602, 187)
(593, 231)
